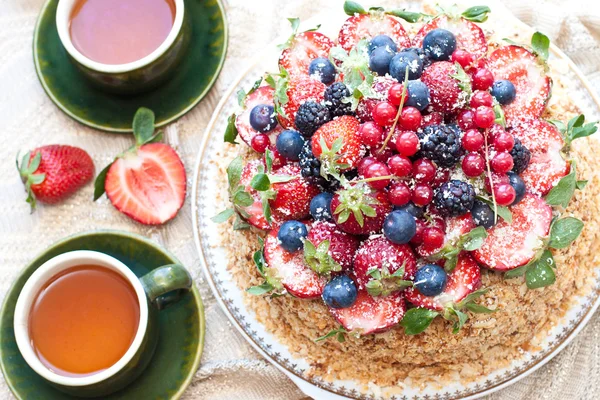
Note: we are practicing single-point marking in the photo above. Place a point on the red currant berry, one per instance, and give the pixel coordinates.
(502, 162)
(464, 58)
(260, 142)
(505, 194)
(504, 141)
(472, 140)
(435, 118)
(482, 79)
(364, 111)
(473, 165)
(418, 238)
(399, 194)
(382, 155)
(410, 118)
(395, 94)
(481, 98)
(400, 166)
(433, 238)
(442, 175)
(407, 143)
(370, 134)
(466, 120)
(384, 113)
(484, 117)
(497, 179)
(423, 170)
(422, 194)
(376, 170)
(364, 163)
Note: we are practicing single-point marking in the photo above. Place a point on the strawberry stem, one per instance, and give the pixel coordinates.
(393, 128)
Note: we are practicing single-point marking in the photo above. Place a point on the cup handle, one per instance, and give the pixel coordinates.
(165, 285)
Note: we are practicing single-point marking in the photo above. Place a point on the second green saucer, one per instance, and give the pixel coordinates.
(192, 79)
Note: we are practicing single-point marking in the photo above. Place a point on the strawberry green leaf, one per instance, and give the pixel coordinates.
(143, 125)
(460, 319)
(475, 239)
(564, 232)
(540, 274)
(563, 192)
(464, 80)
(223, 216)
(476, 13)
(260, 289)
(352, 7)
(514, 273)
(382, 283)
(471, 297)
(559, 125)
(99, 182)
(408, 16)
(231, 131)
(478, 309)
(339, 334)
(260, 182)
(499, 113)
(234, 172)
(540, 45)
(416, 320)
(319, 259)
(240, 224)
(242, 198)
(580, 185)
(242, 93)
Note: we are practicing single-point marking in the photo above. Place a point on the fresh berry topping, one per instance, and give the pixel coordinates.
(445, 90)
(310, 117)
(304, 48)
(300, 91)
(367, 26)
(454, 198)
(412, 209)
(519, 185)
(377, 170)
(262, 95)
(370, 134)
(403, 60)
(521, 156)
(342, 246)
(384, 113)
(255, 215)
(322, 69)
(483, 215)
(422, 194)
(528, 76)
(371, 314)
(442, 175)
(502, 162)
(430, 280)
(291, 235)
(434, 118)
(473, 165)
(482, 79)
(484, 117)
(289, 144)
(504, 91)
(292, 200)
(505, 194)
(400, 165)
(509, 246)
(395, 94)
(340, 292)
(410, 118)
(344, 128)
(441, 144)
(453, 228)
(379, 60)
(262, 118)
(469, 36)
(462, 281)
(423, 170)
(364, 164)
(418, 95)
(464, 58)
(399, 227)
(334, 98)
(382, 41)
(418, 238)
(439, 44)
(349, 205)
(433, 237)
(407, 144)
(320, 206)
(399, 194)
(481, 98)
(466, 120)
(364, 110)
(504, 141)
(54, 172)
(260, 143)
(310, 166)
(297, 278)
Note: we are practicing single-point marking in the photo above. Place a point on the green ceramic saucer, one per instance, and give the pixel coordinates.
(192, 79)
(181, 337)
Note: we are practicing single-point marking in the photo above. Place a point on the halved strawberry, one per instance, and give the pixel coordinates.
(445, 93)
(294, 196)
(147, 184)
(297, 278)
(469, 36)
(454, 228)
(527, 73)
(367, 26)
(509, 246)
(299, 91)
(256, 217)
(342, 246)
(304, 48)
(371, 314)
(346, 129)
(351, 200)
(379, 253)
(262, 95)
(547, 165)
(462, 281)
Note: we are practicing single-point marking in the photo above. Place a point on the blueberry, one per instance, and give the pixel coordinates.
(518, 184)
(323, 69)
(439, 44)
(340, 292)
(399, 227)
(379, 62)
(289, 144)
(262, 118)
(320, 206)
(430, 280)
(291, 235)
(412, 209)
(403, 60)
(382, 41)
(504, 91)
(418, 95)
(483, 215)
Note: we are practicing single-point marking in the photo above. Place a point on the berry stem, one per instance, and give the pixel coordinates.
(393, 128)
(375, 178)
(489, 171)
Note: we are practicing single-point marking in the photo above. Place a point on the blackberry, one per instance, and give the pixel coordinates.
(454, 198)
(310, 168)
(441, 144)
(421, 53)
(310, 116)
(521, 156)
(334, 100)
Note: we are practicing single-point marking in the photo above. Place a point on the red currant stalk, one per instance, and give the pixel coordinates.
(393, 128)
(489, 171)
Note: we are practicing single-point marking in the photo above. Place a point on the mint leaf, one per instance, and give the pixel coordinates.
(416, 320)
(477, 13)
(338, 333)
(143, 125)
(499, 113)
(513, 273)
(541, 274)
(502, 212)
(242, 198)
(352, 7)
(461, 320)
(231, 131)
(478, 309)
(475, 239)
(240, 224)
(234, 171)
(564, 232)
(260, 289)
(318, 258)
(260, 182)
(464, 80)
(223, 216)
(99, 187)
(242, 95)
(559, 125)
(408, 16)
(563, 192)
(540, 45)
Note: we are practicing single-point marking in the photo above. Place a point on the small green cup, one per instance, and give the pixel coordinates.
(155, 291)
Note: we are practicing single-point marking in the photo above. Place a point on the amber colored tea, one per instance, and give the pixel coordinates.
(120, 31)
(83, 320)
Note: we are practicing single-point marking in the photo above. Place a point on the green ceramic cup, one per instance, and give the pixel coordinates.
(155, 291)
(134, 77)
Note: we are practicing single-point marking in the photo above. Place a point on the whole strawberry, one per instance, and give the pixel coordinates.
(360, 211)
(448, 86)
(54, 172)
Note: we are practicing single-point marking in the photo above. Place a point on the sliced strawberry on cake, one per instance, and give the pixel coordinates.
(342, 246)
(451, 231)
(299, 91)
(262, 96)
(342, 131)
(369, 25)
(301, 49)
(448, 89)
(358, 210)
(469, 36)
